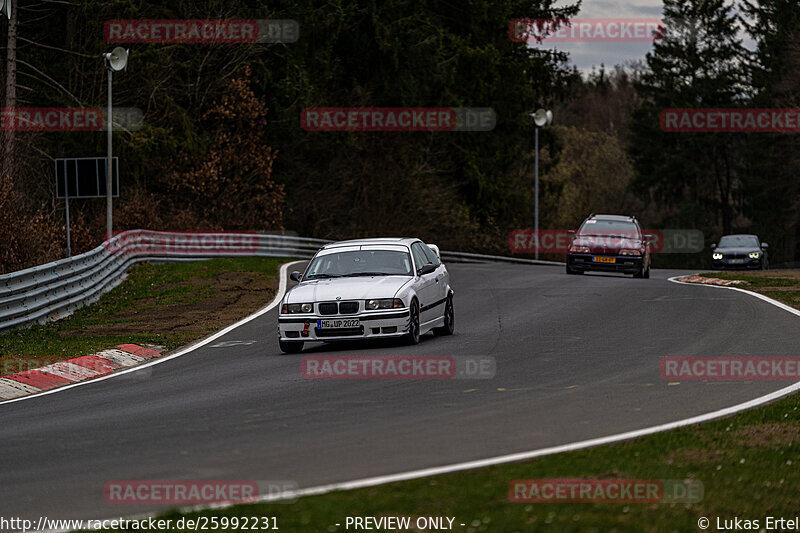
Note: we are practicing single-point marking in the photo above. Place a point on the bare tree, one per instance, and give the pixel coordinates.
(11, 86)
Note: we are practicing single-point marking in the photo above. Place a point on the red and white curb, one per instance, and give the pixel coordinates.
(74, 370)
(694, 278)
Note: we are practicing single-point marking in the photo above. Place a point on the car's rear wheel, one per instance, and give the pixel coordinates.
(449, 320)
(413, 323)
(291, 346)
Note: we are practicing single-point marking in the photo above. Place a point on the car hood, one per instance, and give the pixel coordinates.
(737, 250)
(607, 243)
(361, 288)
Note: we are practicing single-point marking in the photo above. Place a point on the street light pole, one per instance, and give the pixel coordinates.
(109, 160)
(116, 60)
(540, 118)
(536, 193)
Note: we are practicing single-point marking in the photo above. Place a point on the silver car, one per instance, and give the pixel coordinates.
(368, 289)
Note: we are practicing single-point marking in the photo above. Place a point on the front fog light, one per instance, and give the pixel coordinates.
(716, 256)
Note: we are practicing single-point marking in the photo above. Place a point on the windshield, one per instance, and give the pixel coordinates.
(621, 228)
(738, 241)
(360, 263)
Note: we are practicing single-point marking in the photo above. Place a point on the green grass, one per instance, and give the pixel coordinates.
(147, 289)
(785, 290)
(748, 465)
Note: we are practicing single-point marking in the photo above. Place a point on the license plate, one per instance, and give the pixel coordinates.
(597, 259)
(338, 323)
(736, 261)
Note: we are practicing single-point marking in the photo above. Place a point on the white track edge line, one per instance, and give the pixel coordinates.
(776, 303)
(519, 456)
(183, 351)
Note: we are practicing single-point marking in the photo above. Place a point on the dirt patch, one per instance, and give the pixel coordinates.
(219, 301)
(772, 274)
(769, 435)
(695, 455)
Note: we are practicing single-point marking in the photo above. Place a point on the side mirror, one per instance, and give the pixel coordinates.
(426, 269)
(713, 246)
(294, 276)
(764, 246)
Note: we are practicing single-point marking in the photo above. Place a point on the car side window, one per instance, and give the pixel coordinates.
(431, 255)
(420, 259)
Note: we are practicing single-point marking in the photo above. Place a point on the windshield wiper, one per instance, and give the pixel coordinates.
(324, 276)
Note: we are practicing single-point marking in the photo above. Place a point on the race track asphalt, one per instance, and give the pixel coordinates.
(577, 357)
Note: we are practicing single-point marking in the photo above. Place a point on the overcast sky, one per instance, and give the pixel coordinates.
(592, 54)
(586, 55)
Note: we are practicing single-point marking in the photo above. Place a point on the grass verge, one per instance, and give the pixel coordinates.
(748, 465)
(164, 304)
(780, 285)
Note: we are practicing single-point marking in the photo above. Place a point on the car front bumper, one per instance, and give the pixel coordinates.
(374, 325)
(725, 264)
(626, 264)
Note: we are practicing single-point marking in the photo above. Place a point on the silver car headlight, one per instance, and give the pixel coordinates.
(288, 309)
(716, 256)
(384, 303)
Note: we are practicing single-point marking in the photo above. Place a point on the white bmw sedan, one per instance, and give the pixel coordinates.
(368, 289)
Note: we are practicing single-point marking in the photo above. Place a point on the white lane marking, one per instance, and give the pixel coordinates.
(11, 389)
(776, 303)
(520, 456)
(226, 344)
(278, 296)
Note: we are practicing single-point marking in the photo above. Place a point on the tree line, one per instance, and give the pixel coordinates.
(222, 147)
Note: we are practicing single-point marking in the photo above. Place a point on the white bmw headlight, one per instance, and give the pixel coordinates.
(288, 309)
(716, 255)
(385, 303)
(754, 255)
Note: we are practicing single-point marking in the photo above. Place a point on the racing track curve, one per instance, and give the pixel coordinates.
(577, 358)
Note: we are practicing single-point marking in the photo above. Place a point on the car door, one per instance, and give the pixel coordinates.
(425, 285)
(442, 279)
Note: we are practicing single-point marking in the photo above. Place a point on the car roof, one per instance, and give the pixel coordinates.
(741, 235)
(407, 241)
(613, 217)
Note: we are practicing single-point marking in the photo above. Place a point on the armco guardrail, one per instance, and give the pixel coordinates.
(57, 289)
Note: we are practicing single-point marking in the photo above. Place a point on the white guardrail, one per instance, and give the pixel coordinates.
(55, 290)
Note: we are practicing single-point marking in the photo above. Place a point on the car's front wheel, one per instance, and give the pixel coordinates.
(291, 346)
(413, 323)
(449, 320)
